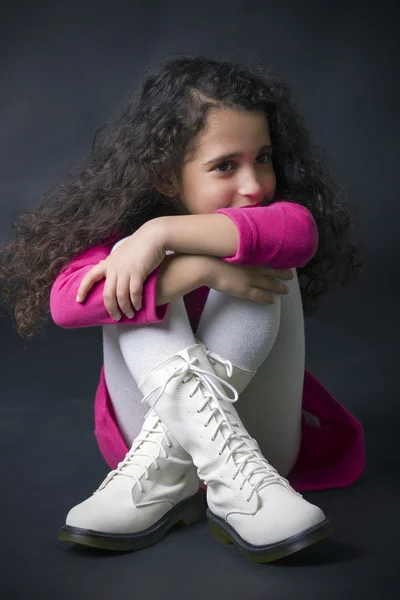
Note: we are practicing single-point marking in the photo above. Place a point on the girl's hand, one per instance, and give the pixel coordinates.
(125, 270)
(250, 282)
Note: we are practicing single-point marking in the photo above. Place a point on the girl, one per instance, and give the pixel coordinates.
(197, 200)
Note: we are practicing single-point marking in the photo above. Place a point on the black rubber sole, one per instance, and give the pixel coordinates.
(224, 533)
(188, 511)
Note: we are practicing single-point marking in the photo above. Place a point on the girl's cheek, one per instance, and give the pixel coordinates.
(270, 186)
(226, 195)
(270, 193)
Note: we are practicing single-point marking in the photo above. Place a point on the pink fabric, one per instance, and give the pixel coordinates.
(264, 233)
(281, 235)
(68, 313)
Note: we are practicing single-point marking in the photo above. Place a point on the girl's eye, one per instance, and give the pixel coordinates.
(218, 167)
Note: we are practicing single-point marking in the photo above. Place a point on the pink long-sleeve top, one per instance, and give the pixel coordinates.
(281, 235)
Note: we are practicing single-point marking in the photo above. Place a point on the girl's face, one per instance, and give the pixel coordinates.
(210, 182)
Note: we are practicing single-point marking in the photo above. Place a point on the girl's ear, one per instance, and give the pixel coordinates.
(170, 189)
(167, 190)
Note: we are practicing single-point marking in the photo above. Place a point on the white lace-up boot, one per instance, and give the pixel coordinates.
(249, 503)
(152, 489)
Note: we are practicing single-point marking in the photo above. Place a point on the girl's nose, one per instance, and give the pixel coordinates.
(252, 189)
(248, 183)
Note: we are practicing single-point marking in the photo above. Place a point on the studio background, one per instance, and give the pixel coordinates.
(65, 67)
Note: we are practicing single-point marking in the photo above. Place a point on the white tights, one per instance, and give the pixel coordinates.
(268, 339)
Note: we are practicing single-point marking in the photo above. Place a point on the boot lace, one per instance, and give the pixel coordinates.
(249, 453)
(130, 458)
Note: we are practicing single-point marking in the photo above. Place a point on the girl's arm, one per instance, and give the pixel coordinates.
(209, 234)
(281, 236)
(180, 274)
(176, 276)
(68, 313)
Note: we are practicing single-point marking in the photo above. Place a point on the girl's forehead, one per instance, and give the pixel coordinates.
(225, 129)
(229, 117)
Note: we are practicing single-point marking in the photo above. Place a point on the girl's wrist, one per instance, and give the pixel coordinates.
(155, 230)
(158, 227)
(209, 269)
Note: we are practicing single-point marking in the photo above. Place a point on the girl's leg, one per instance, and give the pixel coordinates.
(240, 330)
(268, 339)
(130, 352)
(119, 506)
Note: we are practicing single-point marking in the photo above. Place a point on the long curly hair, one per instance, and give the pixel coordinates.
(114, 190)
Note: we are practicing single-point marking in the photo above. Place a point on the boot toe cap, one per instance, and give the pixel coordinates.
(106, 515)
(88, 516)
(115, 515)
(277, 520)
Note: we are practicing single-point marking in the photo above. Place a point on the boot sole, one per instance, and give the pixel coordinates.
(224, 533)
(186, 512)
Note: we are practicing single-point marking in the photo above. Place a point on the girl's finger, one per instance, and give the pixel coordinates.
(136, 292)
(123, 297)
(95, 274)
(109, 297)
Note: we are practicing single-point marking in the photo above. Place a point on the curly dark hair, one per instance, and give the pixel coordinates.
(114, 190)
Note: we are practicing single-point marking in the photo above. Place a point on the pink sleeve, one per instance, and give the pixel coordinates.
(281, 235)
(68, 313)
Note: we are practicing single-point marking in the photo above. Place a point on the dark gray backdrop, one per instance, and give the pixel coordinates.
(64, 68)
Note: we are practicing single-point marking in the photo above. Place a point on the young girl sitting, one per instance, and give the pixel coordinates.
(198, 233)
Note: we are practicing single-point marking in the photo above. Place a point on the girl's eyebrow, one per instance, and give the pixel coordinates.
(233, 155)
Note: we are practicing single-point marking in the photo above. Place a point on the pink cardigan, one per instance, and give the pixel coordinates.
(281, 235)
